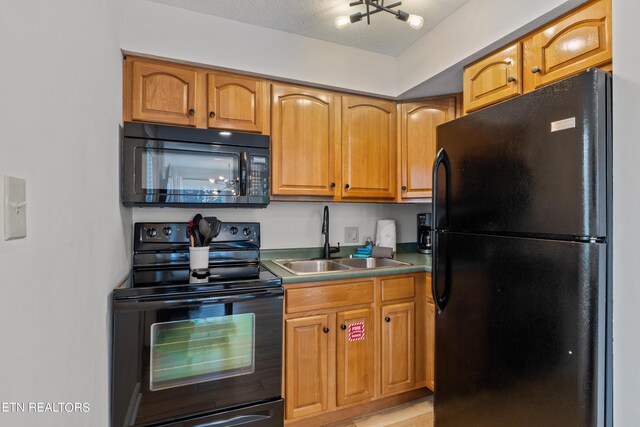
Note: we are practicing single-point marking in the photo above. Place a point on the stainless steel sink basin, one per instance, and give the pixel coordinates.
(371, 262)
(316, 266)
(310, 266)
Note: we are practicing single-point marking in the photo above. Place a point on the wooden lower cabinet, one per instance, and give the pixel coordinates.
(306, 365)
(342, 355)
(398, 347)
(355, 356)
(430, 312)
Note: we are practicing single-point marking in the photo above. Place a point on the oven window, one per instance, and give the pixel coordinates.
(191, 351)
(180, 172)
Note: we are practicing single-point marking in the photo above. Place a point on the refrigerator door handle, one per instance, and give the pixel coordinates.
(441, 159)
(439, 300)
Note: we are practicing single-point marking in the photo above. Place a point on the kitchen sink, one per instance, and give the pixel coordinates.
(310, 266)
(371, 262)
(316, 266)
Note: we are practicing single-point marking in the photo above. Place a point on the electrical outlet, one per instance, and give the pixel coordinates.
(351, 234)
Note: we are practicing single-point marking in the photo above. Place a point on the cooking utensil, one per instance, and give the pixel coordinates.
(195, 230)
(205, 231)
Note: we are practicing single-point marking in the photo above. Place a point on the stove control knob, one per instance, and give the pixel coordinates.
(233, 230)
(167, 231)
(152, 232)
(246, 231)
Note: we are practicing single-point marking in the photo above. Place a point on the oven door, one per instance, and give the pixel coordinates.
(181, 357)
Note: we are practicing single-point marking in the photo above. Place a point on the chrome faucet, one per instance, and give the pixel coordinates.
(327, 250)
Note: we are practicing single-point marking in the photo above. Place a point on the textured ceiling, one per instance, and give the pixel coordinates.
(315, 19)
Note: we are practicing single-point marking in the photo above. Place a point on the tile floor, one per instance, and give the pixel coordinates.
(418, 413)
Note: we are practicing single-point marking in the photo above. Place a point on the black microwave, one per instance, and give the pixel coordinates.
(184, 167)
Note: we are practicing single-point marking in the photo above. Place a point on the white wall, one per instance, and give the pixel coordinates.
(626, 154)
(165, 31)
(298, 225)
(60, 105)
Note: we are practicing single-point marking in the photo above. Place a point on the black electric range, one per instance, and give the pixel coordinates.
(197, 348)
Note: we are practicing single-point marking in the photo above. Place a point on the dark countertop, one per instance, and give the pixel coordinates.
(406, 253)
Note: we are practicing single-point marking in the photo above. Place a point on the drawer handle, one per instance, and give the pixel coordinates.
(325, 330)
(387, 319)
(535, 69)
(511, 79)
(343, 327)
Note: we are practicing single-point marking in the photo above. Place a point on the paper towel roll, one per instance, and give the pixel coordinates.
(386, 234)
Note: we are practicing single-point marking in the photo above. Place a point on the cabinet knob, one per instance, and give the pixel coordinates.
(535, 69)
(333, 184)
(191, 111)
(212, 114)
(404, 188)
(347, 187)
(511, 79)
(387, 319)
(343, 327)
(325, 330)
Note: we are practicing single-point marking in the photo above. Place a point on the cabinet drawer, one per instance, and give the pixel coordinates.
(330, 296)
(397, 288)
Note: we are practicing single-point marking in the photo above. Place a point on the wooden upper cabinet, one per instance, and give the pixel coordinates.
(418, 122)
(163, 93)
(354, 361)
(493, 79)
(304, 138)
(572, 44)
(306, 365)
(368, 148)
(398, 347)
(235, 103)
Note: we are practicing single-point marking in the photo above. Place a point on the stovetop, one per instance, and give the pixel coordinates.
(161, 262)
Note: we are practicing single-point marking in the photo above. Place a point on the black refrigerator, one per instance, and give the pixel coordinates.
(522, 260)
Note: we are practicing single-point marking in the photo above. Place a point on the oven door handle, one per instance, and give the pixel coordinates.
(235, 421)
(167, 302)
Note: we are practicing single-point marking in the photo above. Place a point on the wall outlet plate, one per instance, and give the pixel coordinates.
(15, 208)
(351, 234)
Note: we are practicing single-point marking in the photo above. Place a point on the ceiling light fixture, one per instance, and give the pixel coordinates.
(375, 6)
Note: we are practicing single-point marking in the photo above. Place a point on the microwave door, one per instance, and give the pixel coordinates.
(175, 174)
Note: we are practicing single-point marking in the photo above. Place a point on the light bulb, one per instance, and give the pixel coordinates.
(415, 21)
(341, 21)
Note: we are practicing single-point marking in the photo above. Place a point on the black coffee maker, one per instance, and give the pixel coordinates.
(424, 233)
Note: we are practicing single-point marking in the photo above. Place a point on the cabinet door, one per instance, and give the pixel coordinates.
(235, 103)
(306, 365)
(418, 123)
(579, 41)
(163, 93)
(368, 148)
(355, 373)
(305, 131)
(398, 347)
(493, 79)
(430, 311)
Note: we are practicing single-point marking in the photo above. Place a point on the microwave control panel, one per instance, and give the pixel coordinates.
(259, 176)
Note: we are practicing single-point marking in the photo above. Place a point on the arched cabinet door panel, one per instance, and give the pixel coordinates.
(493, 79)
(163, 93)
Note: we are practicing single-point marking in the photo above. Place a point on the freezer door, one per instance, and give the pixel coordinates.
(533, 165)
(520, 340)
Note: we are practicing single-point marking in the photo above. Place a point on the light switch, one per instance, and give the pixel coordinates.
(15, 208)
